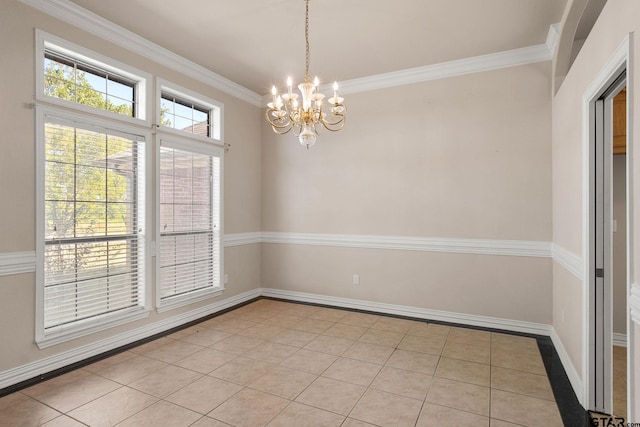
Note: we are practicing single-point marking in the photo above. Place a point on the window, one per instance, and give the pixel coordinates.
(77, 78)
(91, 188)
(71, 80)
(182, 111)
(184, 115)
(93, 224)
(189, 255)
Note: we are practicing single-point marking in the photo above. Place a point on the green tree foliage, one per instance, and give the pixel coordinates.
(89, 180)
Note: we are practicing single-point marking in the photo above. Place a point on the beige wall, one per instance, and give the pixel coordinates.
(17, 178)
(466, 157)
(617, 20)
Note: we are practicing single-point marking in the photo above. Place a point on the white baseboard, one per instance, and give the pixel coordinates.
(420, 313)
(620, 340)
(60, 360)
(572, 373)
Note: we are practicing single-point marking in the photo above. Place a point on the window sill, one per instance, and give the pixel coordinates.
(89, 327)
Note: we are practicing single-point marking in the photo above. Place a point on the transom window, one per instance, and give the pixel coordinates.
(184, 115)
(69, 79)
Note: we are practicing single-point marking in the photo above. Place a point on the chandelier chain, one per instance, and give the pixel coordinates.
(306, 38)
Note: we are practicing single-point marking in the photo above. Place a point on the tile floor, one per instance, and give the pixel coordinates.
(284, 364)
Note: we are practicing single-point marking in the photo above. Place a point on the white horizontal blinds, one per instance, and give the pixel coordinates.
(189, 222)
(93, 222)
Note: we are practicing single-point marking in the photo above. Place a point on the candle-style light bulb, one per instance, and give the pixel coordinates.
(289, 84)
(335, 91)
(274, 92)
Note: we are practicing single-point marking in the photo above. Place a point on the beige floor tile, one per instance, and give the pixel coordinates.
(165, 381)
(109, 361)
(351, 422)
(364, 320)
(263, 408)
(206, 337)
(328, 314)
(464, 351)
(329, 345)
(61, 421)
(313, 325)
(436, 416)
(413, 361)
(26, 412)
(297, 415)
(369, 352)
(392, 324)
(234, 325)
(385, 409)
(300, 310)
(132, 369)
(236, 344)
(382, 337)
(514, 341)
(500, 423)
(430, 330)
(402, 382)
(204, 395)
(518, 360)
(174, 351)
(209, 422)
(521, 382)
(283, 382)
(271, 352)
(71, 390)
(462, 370)
(524, 410)
(332, 395)
(162, 414)
(112, 408)
(210, 323)
(151, 345)
(185, 332)
(431, 345)
(352, 371)
(341, 330)
(283, 320)
(458, 395)
(205, 360)
(11, 400)
(294, 338)
(311, 362)
(261, 331)
(242, 370)
(469, 336)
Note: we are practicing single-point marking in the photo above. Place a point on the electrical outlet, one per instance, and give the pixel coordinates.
(356, 279)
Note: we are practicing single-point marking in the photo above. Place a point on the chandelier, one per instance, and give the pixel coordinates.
(306, 119)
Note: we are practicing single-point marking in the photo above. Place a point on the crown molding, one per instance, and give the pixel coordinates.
(570, 261)
(426, 244)
(107, 30)
(460, 67)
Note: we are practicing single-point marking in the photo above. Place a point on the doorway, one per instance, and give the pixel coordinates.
(607, 260)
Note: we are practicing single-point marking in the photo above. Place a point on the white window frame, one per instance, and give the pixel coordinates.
(108, 320)
(142, 80)
(215, 108)
(182, 141)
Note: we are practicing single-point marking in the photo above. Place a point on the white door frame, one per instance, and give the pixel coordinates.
(602, 401)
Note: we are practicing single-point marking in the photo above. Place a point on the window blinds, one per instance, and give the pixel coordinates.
(189, 223)
(94, 248)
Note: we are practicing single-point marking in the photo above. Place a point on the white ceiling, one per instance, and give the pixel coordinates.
(257, 43)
